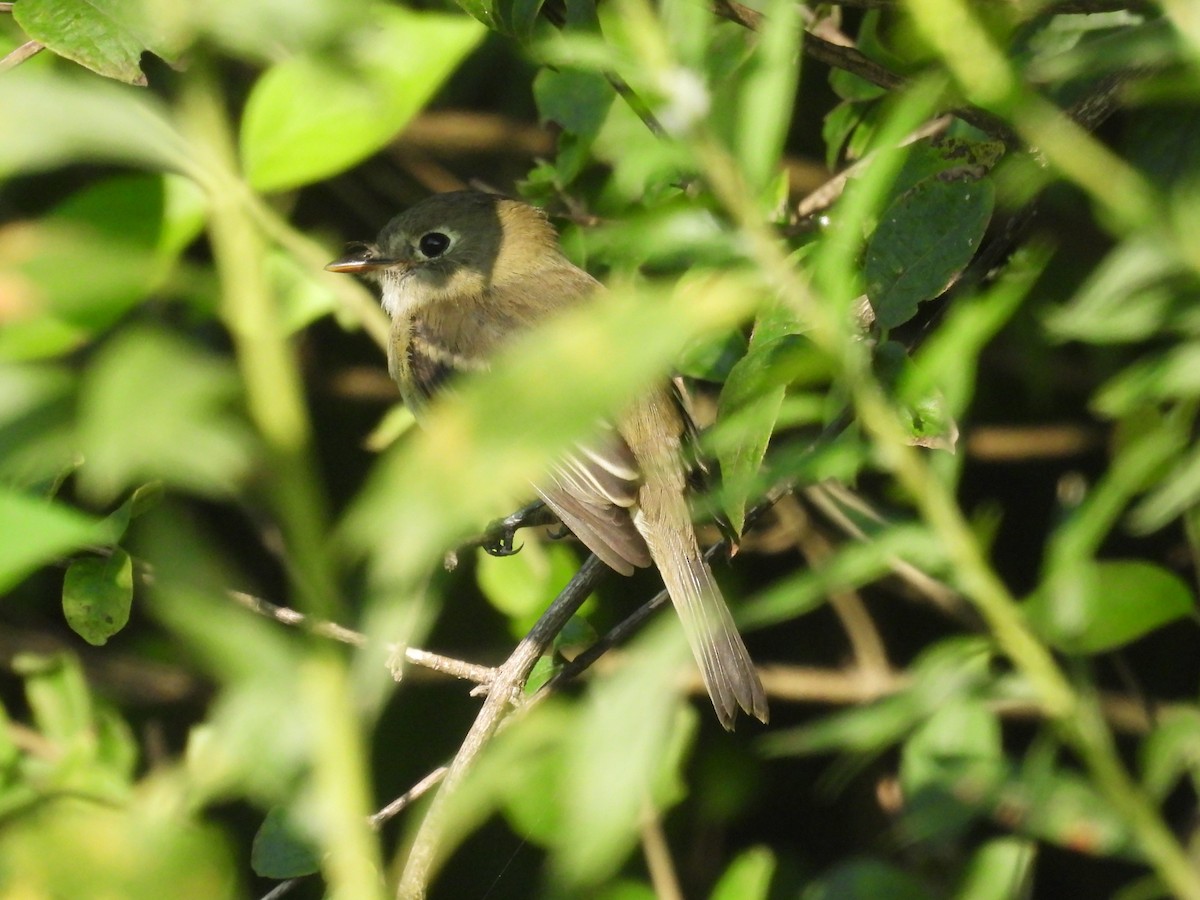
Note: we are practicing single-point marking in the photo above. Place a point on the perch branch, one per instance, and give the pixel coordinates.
(503, 695)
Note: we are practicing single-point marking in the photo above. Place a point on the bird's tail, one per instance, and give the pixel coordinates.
(725, 665)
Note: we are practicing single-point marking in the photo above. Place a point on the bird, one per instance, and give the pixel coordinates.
(460, 274)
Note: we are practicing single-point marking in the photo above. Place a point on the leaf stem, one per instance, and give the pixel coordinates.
(277, 407)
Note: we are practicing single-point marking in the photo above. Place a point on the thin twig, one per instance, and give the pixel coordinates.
(866, 643)
(851, 687)
(852, 60)
(832, 500)
(663, 877)
(22, 53)
(446, 665)
(393, 809)
(825, 195)
(415, 792)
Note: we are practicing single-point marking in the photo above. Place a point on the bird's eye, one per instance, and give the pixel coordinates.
(433, 244)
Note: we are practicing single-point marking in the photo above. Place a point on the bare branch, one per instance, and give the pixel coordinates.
(866, 643)
(852, 60)
(663, 875)
(446, 665)
(502, 698)
(415, 792)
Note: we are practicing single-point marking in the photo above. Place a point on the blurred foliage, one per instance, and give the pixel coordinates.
(932, 266)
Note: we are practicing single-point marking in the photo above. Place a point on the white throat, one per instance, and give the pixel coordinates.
(399, 294)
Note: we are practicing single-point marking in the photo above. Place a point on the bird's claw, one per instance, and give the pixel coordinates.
(502, 533)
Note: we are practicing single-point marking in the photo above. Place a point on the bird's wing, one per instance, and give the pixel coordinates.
(592, 490)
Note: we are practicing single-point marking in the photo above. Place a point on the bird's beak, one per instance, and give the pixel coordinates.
(360, 258)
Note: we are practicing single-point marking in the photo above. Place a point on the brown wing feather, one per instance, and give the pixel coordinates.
(593, 490)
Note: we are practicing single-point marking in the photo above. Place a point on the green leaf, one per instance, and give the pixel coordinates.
(644, 167)
(279, 851)
(522, 17)
(748, 876)
(951, 760)
(1090, 608)
(155, 407)
(713, 360)
(854, 88)
(669, 234)
(575, 99)
(485, 12)
(928, 418)
(756, 408)
(94, 121)
(866, 879)
(1100, 311)
(945, 156)
(522, 585)
(107, 36)
(620, 889)
(119, 272)
(37, 409)
(70, 848)
(1064, 808)
(293, 27)
(947, 671)
(126, 232)
(626, 751)
(924, 239)
(117, 749)
(839, 123)
(1176, 494)
(112, 229)
(962, 734)
(303, 296)
(97, 595)
(39, 531)
(521, 773)
(999, 870)
(533, 788)
(1172, 375)
(258, 734)
(58, 697)
(750, 402)
(144, 498)
(543, 670)
(1171, 751)
(308, 118)
(768, 91)
(948, 360)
